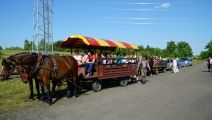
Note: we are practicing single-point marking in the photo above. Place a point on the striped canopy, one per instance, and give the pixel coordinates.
(79, 41)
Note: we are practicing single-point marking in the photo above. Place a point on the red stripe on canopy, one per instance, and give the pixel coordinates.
(92, 41)
(111, 43)
(126, 45)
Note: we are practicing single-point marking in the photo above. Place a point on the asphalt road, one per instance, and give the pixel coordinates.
(186, 95)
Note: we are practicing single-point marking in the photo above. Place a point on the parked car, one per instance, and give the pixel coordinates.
(182, 62)
(190, 61)
(187, 60)
(169, 64)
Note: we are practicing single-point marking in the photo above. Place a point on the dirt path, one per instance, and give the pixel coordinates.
(182, 96)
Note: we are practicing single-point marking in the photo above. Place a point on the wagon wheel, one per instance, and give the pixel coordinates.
(124, 82)
(96, 86)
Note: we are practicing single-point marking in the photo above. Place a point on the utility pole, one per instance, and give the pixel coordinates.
(42, 26)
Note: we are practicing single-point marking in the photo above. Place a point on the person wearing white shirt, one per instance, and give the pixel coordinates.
(175, 67)
(78, 57)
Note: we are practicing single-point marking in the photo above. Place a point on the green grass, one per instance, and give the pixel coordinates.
(197, 61)
(13, 93)
(13, 96)
(7, 53)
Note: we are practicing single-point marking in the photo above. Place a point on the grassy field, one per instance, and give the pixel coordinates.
(14, 95)
(197, 61)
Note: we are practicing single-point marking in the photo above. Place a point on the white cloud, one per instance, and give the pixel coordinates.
(142, 23)
(137, 9)
(163, 5)
(143, 3)
(133, 23)
(142, 18)
(132, 18)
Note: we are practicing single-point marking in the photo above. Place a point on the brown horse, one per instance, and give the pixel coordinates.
(9, 65)
(46, 68)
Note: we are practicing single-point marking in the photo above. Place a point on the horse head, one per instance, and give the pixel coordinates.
(9, 63)
(28, 66)
(24, 72)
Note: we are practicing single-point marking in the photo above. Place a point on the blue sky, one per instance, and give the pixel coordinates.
(146, 22)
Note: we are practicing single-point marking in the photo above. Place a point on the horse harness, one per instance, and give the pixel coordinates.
(30, 71)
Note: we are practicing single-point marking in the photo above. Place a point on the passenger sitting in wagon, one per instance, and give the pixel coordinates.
(90, 63)
(85, 57)
(118, 58)
(109, 60)
(78, 57)
(124, 58)
(102, 59)
(134, 58)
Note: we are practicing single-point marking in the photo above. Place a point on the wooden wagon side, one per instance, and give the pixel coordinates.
(121, 72)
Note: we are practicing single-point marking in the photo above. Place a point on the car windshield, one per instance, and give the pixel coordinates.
(181, 60)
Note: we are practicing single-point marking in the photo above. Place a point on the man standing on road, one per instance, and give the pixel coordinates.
(145, 67)
(175, 67)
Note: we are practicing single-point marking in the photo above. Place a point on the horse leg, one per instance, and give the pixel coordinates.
(31, 88)
(68, 94)
(37, 84)
(75, 85)
(49, 98)
(53, 88)
(43, 93)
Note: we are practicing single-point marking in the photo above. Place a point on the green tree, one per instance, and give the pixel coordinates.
(204, 54)
(164, 53)
(171, 49)
(184, 49)
(141, 47)
(27, 45)
(208, 47)
(1, 48)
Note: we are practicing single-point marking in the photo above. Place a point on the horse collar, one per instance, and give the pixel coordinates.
(40, 58)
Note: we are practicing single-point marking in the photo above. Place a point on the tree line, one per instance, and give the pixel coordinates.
(173, 49)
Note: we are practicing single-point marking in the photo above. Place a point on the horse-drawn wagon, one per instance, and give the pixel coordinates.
(122, 72)
(53, 68)
(156, 65)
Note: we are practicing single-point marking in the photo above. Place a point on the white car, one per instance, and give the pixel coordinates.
(169, 64)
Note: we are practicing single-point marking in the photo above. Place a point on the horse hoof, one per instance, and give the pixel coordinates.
(42, 99)
(38, 97)
(49, 101)
(53, 95)
(68, 94)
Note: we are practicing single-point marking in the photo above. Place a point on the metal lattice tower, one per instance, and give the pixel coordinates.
(42, 26)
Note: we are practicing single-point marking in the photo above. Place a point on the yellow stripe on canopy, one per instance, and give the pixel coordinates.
(134, 46)
(81, 37)
(102, 42)
(119, 44)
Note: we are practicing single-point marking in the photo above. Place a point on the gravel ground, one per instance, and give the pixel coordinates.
(186, 95)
